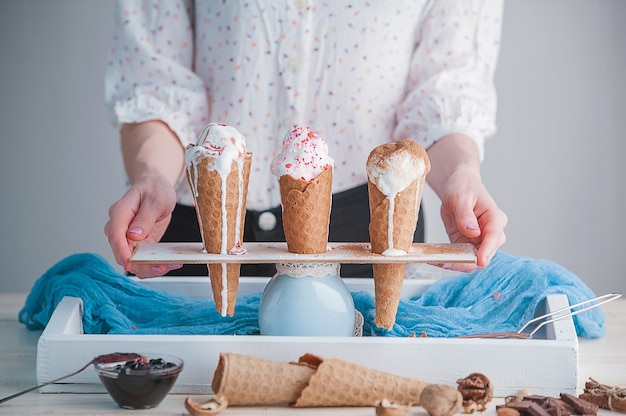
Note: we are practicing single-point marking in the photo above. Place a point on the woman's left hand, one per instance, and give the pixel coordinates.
(468, 212)
(470, 215)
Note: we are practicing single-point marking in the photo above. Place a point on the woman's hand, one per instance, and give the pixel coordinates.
(141, 215)
(153, 158)
(469, 213)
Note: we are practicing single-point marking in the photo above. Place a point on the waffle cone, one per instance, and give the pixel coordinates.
(311, 382)
(306, 212)
(247, 380)
(209, 209)
(388, 279)
(342, 383)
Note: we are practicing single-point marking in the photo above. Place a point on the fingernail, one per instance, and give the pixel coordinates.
(136, 230)
(446, 266)
(174, 266)
(156, 269)
(471, 227)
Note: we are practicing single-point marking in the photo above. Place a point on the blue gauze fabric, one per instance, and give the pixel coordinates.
(497, 299)
(115, 304)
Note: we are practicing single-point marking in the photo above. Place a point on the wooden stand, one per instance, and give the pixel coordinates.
(347, 253)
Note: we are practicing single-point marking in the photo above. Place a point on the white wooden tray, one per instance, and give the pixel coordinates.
(191, 253)
(547, 365)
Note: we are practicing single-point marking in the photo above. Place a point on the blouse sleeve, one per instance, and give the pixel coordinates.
(450, 86)
(149, 72)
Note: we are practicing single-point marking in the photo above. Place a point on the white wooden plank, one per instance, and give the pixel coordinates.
(545, 366)
(359, 253)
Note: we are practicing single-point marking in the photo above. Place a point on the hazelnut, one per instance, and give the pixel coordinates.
(441, 400)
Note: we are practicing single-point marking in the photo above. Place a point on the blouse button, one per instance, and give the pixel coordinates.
(300, 5)
(294, 64)
(288, 122)
(267, 221)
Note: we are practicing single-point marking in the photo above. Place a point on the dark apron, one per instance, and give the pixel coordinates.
(349, 222)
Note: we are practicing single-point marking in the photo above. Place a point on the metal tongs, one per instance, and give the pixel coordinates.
(550, 317)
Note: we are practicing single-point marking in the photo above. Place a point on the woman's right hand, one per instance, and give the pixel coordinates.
(141, 215)
(154, 160)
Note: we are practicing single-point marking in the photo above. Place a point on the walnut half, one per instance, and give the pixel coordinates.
(476, 390)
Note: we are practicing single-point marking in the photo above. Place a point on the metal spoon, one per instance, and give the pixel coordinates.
(101, 359)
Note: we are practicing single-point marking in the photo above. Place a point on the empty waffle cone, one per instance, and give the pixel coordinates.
(218, 237)
(248, 380)
(306, 212)
(311, 382)
(342, 383)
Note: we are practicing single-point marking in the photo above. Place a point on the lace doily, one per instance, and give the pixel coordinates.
(308, 269)
(358, 324)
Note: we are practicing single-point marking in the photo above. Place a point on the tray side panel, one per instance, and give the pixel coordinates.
(544, 366)
(200, 287)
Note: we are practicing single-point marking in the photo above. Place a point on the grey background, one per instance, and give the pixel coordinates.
(555, 165)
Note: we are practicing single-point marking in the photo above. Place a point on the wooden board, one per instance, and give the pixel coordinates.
(355, 253)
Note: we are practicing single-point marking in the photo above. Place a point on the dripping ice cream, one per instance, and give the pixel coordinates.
(218, 169)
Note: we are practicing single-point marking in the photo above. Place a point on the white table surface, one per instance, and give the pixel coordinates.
(603, 359)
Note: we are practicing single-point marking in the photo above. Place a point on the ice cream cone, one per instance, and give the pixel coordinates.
(248, 380)
(342, 383)
(306, 212)
(216, 201)
(399, 168)
(305, 175)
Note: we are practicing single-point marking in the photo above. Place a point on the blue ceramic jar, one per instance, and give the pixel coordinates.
(306, 299)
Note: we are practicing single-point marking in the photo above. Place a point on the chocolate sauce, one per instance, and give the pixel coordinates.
(139, 383)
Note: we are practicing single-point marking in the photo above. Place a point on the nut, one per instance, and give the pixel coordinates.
(387, 408)
(470, 406)
(512, 399)
(441, 400)
(477, 391)
(213, 406)
(507, 411)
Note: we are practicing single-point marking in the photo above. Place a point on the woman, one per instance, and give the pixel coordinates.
(358, 74)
